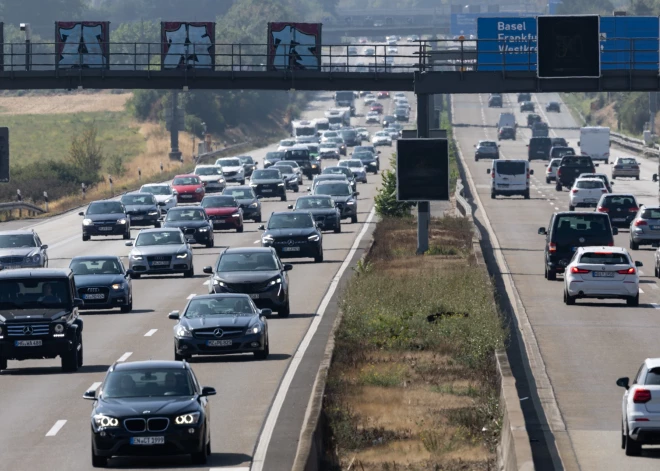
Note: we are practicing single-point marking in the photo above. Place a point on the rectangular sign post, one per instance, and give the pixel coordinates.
(510, 43)
(4, 155)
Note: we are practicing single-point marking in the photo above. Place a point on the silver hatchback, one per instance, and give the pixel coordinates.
(625, 167)
(645, 228)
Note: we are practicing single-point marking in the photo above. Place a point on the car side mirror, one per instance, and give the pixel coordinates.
(208, 391)
(90, 395)
(531, 172)
(357, 193)
(77, 302)
(611, 183)
(266, 312)
(290, 206)
(44, 247)
(288, 267)
(615, 231)
(81, 213)
(623, 382)
(262, 227)
(474, 145)
(208, 270)
(639, 264)
(309, 189)
(174, 192)
(542, 231)
(129, 272)
(578, 143)
(174, 315)
(655, 177)
(129, 243)
(488, 171)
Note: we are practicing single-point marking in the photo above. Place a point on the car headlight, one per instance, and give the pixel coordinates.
(136, 257)
(187, 419)
(350, 202)
(280, 184)
(105, 421)
(236, 215)
(203, 229)
(199, 190)
(241, 170)
(222, 180)
(36, 258)
(169, 200)
(253, 185)
(267, 239)
(117, 286)
(255, 329)
(314, 165)
(275, 281)
(313, 238)
(58, 328)
(153, 213)
(121, 221)
(182, 332)
(87, 222)
(182, 255)
(253, 205)
(219, 283)
(372, 163)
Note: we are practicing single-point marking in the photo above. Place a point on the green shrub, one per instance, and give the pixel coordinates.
(385, 199)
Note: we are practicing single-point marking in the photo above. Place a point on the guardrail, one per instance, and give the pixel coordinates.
(635, 145)
(201, 158)
(20, 206)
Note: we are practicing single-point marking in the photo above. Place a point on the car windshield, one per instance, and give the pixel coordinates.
(572, 227)
(249, 261)
(334, 189)
(208, 171)
(240, 193)
(290, 221)
(220, 306)
(16, 241)
(186, 181)
(297, 154)
(288, 143)
(246, 159)
(100, 266)
(34, 293)
(105, 208)
(589, 184)
(352, 163)
(229, 162)
(576, 162)
(147, 382)
(624, 201)
(286, 169)
(651, 213)
(605, 258)
(504, 167)
(138, 200)
(314, 203)
(274, 155)
(266, 175)
(219, 202)
(157, 190)
(337, 171)
(363, 155)
(159, 238)
(627, 161)
(176, 214)
(291, 163)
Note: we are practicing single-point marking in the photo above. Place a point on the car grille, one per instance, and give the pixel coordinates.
(162, 203)
(135, 425)
(229, 174)
(209, 333)
(23, 330)
(105, 223)
(267, 187)
(292, 240)
(11, 260)
(93, 290)
(160, 258)
(247, 287)
(340, 206)
(188, 230)
(137, 213)
(158, 424)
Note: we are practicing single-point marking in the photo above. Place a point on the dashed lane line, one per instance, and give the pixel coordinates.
(56, 428)
(94, 386)
(151, 332)
(124, 357)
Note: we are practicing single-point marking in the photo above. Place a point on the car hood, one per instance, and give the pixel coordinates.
(342, 199)
(191, 224)
(105, 217)
(247, 201)
(240, 321)
(266, 181)
(18, 252)
(83, 281)
(31, 315)
(136, 406)
(140, 208)
(320, 211)
(220, 211)
(160, 249)
(291, 232)
(247, 276)
(210, 178)
(226, 169)
(186, 188)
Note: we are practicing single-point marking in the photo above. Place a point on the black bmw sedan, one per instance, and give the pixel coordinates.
(221, 324)
(293, 234)
(150, 408)
(193, 222)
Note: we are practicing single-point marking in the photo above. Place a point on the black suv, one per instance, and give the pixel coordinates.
(527, 106)
(539, 148)
(569, 230)
(524, 97)
(571, 167)
(506, 132)
(553, 106)
(309, 165)
(495, 101)
(622, 209)
(39, 317)
(533, 118)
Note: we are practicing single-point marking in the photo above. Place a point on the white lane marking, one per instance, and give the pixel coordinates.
(151, 332)
(654, 286)
(273, 414)
(56, 428)
(542, 195)
(190, 296)
(556, 208)
(640, 291)
(124, 357)
(94, 386)
(641, 273)
(654, 305)
(256, 241)
(206, 283)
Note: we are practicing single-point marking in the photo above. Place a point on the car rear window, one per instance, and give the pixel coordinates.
(652, 377)
(605, 258)
(651, 214)
(576, 162)
(590, 185)
(582, 225)
(620, 201)
(543, 142)
(510, 168)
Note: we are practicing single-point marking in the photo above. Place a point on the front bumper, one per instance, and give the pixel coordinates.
(347, 210)
(116, 298)
(51, 347)
(300, 250)
(269, 192)
(190, 197)
(143, 267)
(194, 236)
(178, 441)
(625, 173)
(272, 297)
(236, 177)
(602, 289)
(94, 230)
(144, 220)
(244, 344)
(215, 187)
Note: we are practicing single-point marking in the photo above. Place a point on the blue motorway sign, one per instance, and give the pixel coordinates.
(629, 42)
(506, 43)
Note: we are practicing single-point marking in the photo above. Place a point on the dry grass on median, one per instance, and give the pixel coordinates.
(405, 393)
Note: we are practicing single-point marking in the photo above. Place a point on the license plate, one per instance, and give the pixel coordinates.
(137, 218)
(503, 185)
(618, 219)
(28, 343)
(603, 274)
(186, 196)
(160, 262)
(147, 440)
(218, 343)
(254, 296)
(655, 228)
(267, 190)
(105, 228)
(290, 249)
(94, 296)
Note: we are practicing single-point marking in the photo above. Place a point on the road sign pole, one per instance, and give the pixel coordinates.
(175, 154)
(423, 207)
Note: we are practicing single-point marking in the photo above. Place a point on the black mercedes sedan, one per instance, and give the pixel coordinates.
(268, 183)
(247, 201)
(255, 271)
(150, 408)
(293, 234)
(221, 324)
(105, 218)
(193, 222)
(102, 282)
(323, 210)
(142, 209)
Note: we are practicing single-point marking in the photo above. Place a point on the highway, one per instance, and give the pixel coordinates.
(586, 347)
(47, 423)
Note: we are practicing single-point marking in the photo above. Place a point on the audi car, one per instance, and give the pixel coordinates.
(194, 223)
(247, 201)
(343, 195)
(102, 282)
(162, 251)
(151, 408)
(272, 158)
(268, 183)
(165, 195)
(293, 234)
(142, 209)
(255, 271)
(22, 249)
(232, 169)
(105, 218)
(357, 167)
(224, 212)
(323, 209)
(189, 188)
(212, 177)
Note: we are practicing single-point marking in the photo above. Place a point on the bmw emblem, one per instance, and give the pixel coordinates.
(581, 239)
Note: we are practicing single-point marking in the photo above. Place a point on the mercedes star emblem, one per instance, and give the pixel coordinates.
(27, 330)
(218, 332)
(581, 239)
(290, 242)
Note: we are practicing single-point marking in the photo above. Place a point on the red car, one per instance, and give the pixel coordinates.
(377, 107)
(383, 94)
(189, 188)
(224, 212)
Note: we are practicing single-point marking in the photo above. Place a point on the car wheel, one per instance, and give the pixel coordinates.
(210, 244)
(558, 187)
(637, 178)
(296, 189)
(571, 208)
(136, 276)
(178, 357)
(526, 195)
(189, 273)
(257, 218)
(319, 257)
(127, 235)
(547, 180)
(568, 299)
(493, 195)
(3, 363)
(98, 461)
(634, 245)
(157, 224)
(633, 447)
(551, 274)
(128, 307)
(633, 301)
(263, 354)
(283, 197)
(338, 228)
(657, 272)
(613, 177)
(239, 229)
(85, 238)
(80, 354)
(201, 457)
(623, 437)
(476, 159)
(242, 182)
(70, 360)
(354, 219)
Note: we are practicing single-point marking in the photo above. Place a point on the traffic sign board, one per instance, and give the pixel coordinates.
(510, 43)
(464, 24)
(422, 170)
(629, 42)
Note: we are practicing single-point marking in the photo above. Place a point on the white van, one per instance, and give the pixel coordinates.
(506, 120)
(510, 177)
(595, 142)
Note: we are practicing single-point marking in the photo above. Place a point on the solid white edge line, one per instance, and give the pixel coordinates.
(190, 296)
(151, 332)
(124, 357)
(269, 425)
(56, 428)
(94, 386)
(640, 291)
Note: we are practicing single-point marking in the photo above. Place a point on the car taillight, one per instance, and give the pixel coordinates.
(601, 209)
(633, 210)
(641, 222)
(628, 271)
(641, 396)
(492, 174)
(559, 172)
(579, 270)
(575, 190)
(552, 247)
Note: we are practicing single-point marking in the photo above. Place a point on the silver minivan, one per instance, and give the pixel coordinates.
(510, 177)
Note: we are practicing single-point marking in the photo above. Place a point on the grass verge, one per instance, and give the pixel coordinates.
(413, 384)
(445, 123)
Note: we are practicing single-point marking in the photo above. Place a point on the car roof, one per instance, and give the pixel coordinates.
(603, 248)
(248, 250)
(239, 187)
(139, 365)
(135, 193)
(298, 147)
(18, 232)
(652, 363)
(186, 175)
(192, 206)
(206, 166)
(591, 179)
(35, 273)
(95, 257)
(294, 213)
(627, 195)
(581, 213)
(161, 229)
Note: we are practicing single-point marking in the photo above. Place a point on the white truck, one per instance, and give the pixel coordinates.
(338, 117)
(595, 142)
(304, 131)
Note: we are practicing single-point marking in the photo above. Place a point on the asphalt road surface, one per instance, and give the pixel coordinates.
(585, 347)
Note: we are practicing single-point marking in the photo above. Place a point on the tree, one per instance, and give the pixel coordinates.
(86, 154)
(385, 199)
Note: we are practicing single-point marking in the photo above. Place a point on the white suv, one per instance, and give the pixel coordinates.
(586, 192)
(640, 411)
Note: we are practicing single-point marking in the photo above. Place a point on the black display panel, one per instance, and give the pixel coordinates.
(568, 46)
(422, 170)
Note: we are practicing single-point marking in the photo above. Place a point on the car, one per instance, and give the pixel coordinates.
(293, 234)
(212, 177)
(339, 142)
(290, 177)
(527, 106)
(569, 230)
(255, 271)
(22, 248)
(105, 218)
(309, 165)
(363, 133)
(247, 201)
(560, 151)
(586, 192)
(268, 183)
(394, 133)
(495, 101)
(382, 138)
(510, 177)
(165, 195)
(369, 51)
(377, 107)
(645, 229)
(399, 95)
(392, 50)
(368, 148)
(286, 144)
(622, 208)
(413, 38)
(388, 120)
(363, 40)
(224, 212)
(313, 149)
(352, 51)
(323, 210)
(161, 251)
(602, 176)
(142, 209)
(357, 167)
(533, 118)
(329, 135)
(551, 170)
(346, 172)
(639, 416)
(506, 132)
(369, 99)
(369, 160)
(383, 95)
(350, 137)
(294, 165)
(272, 158)
(553, 106)
(570, 168)
(372, 117)
(602, 272)
(327, 177)
(150, 407)
(486, 149)
(540, 129)
(344, 196)
(189, 188)
(102, 282)
(232, 170)
(524, 97)
(558, 142)
(625, 167)
(194, 223)
(39, 317)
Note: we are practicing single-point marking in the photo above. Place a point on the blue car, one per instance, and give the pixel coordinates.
(102, 282)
